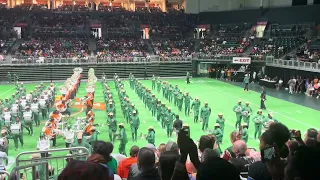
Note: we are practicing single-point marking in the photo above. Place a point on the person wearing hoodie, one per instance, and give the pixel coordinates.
(124, 165)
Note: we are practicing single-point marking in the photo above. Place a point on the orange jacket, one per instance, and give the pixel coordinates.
(88, 129)
(48, 132)
(89, 103)
(124, 166)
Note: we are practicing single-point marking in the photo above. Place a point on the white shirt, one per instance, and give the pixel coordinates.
(69, 134)
(43, 144)
(116, 177)
(3, 157)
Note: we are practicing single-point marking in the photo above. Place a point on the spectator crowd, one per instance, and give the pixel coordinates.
(283, 154)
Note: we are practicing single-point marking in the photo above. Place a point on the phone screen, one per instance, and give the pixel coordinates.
(186, 130)
(268, 154)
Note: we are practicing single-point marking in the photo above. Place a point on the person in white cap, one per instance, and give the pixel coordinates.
(205, 115)
(258, 122)
(134, 124)
(220, 120)
(196, 108)
(238, 110)
(217, 133)
(28, 119)
(246, 113)
(81, 143)
(112, 124)
(151, 137)
(244, 132)
(123, 139)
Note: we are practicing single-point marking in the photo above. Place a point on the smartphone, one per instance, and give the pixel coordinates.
(186, 130)
(268, 154)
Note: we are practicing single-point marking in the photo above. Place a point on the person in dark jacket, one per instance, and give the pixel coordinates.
(146, 164)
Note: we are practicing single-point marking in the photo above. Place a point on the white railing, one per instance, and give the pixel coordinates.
(294, 64)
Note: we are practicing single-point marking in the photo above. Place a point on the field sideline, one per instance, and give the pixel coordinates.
(220, 96)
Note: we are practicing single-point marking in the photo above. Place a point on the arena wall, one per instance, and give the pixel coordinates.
(61, 72)
(195, 6)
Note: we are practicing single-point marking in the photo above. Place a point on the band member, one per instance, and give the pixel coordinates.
(258, 121)
(28, 120)
(49, 133)
(43, 144)
(7, 117)
(63, 108)
(35, 108)
(4, 143)
(134, 124)
(112, 124)
(244, 132)
(217, 133)
(168, 123)
(151, 135)
(56, 116)
(89, 104)
(69, 136)
(205, 115)
(220, 120)
(94, 135)
(246, 113)
(263, 97)
(90, 116)
(187, 100)
(123, 139)
(17, 135)
(238, 110)
(87, 130)
(81, 143)
(15, 110)
(246, 82)
(196, 108)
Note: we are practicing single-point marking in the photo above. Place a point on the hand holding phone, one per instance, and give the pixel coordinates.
(268, 154)
(295, 134)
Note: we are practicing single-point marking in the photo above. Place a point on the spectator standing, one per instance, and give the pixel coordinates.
(105, 149)
(124, 165)
(167, 162)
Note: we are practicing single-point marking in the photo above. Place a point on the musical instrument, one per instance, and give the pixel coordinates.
(257, 120)
(7, 118)
(27, 116)
(34, 108)
(15, 109)
(245, 113)
(238, 109)
(16, 129)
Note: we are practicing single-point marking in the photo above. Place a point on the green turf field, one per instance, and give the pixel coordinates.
(220, 96)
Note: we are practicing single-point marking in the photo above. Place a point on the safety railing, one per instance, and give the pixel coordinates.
(90, 60)
(294, 64)
(15, 173)
(4, 174)
(56, 159)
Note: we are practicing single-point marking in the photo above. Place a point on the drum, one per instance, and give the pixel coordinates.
(15, 129)
(245, 113)
(15, 109)
(42, 103)
(7, 118)
(27, 116)
(35, 108)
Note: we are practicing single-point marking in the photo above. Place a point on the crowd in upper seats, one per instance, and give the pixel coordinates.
(310, 52)
(174, 48)
(124, 49)
(293, 156)
(53, 48)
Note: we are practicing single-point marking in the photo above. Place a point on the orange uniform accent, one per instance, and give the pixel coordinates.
(55, 116)
(91, 113)
(53, 125)
(90, 95)
(88, 129)
(89, 103)
(61, 106)
(48, 132)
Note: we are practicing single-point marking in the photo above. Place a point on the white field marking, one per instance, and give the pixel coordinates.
(257, 105)
(77, 112)
(230, 124)
(137, 99)
(288, 113)
(6, 91)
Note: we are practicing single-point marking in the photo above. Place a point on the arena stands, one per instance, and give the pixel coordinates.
(112, 50)
(173, 48)
(53, 48)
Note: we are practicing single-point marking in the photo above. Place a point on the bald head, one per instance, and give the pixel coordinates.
(134, 151)
(239, 147)
(146, 159)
